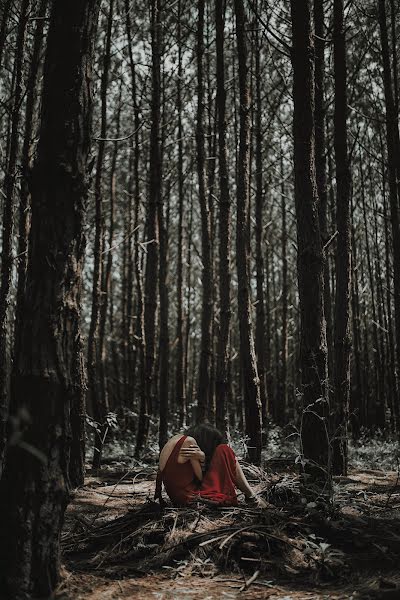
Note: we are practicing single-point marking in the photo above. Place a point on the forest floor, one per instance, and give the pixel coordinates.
(118, 544)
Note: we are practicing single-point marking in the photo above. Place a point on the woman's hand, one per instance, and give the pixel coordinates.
(256, 501)
(192, 452)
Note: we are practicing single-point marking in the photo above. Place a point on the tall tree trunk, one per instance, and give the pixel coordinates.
(259, 227)
(222, 369)
(8, 225)
(4, 21)
(108, 258)
(99, 405)
(251, 383)
(152, 231)
(310, 255)
(180, 385)
(282, 377)
(342, 333)
(48, 371)
(320, 161)
(164, 328)
(203, 388)
(138, 330)
(392, 134)
(26, 159)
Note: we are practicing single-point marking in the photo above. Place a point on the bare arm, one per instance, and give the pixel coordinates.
(191, 451)
(244, 487)
(242, 482)
(197, 468)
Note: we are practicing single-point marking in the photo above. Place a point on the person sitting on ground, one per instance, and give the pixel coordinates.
(199, 466)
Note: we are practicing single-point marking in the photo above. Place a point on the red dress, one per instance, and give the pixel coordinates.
(218, 483)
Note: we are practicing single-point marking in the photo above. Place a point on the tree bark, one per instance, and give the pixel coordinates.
(259, 227)
(222, 369)
(203, 388)
(392, 134)
(48, 371)
(310, 255)
(180, 385)
(251, 382)
(8, 226)
(152, 232)
(99, 403)
(342, 335)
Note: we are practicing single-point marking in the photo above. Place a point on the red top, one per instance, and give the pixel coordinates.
(178, 478)
(218, 483)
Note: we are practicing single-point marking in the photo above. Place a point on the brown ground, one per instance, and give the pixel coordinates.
(368, 565)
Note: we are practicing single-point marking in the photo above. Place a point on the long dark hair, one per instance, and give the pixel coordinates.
(207, 437)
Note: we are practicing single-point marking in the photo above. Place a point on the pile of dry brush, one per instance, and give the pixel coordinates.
(291, 539)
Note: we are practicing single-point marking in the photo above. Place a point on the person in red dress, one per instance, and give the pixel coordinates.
(199, 466)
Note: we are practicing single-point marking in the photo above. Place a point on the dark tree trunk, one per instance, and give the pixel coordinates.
(392, 134)
(8, 225)
(138, 329)
(310, 256)
(100, 409)
(203, 388)
(26, 160)
(164, 342)
(222, 370)
(282, 377)
(259, 227)
(320, 160)
(48, 370)
(251, 383)
(152, 232)
(180, 383)
(342, 335)
(4, 20)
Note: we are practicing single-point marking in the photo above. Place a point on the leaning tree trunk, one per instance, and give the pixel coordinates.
(222, 371)
(48, 371)
(343, 248)
(8, 222)
(251, 384)
(203, 389)
(310, 255)
(152, 233)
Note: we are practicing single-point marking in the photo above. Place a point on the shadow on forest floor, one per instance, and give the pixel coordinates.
(119, 544)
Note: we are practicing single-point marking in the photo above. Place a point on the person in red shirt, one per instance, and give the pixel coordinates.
(199, 466)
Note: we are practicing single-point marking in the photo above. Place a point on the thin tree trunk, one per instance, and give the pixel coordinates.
(203, 388)
(106, 283)
(251, 383)
(222, 379)
(392, 134)
(282, 377)
(180, 385)
(152, 232)
(26, 160)
(342, 333)
(100, 409)
(48, 371)
(259, 227)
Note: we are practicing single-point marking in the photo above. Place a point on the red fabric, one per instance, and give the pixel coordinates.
(178, 478)
(218, 484)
